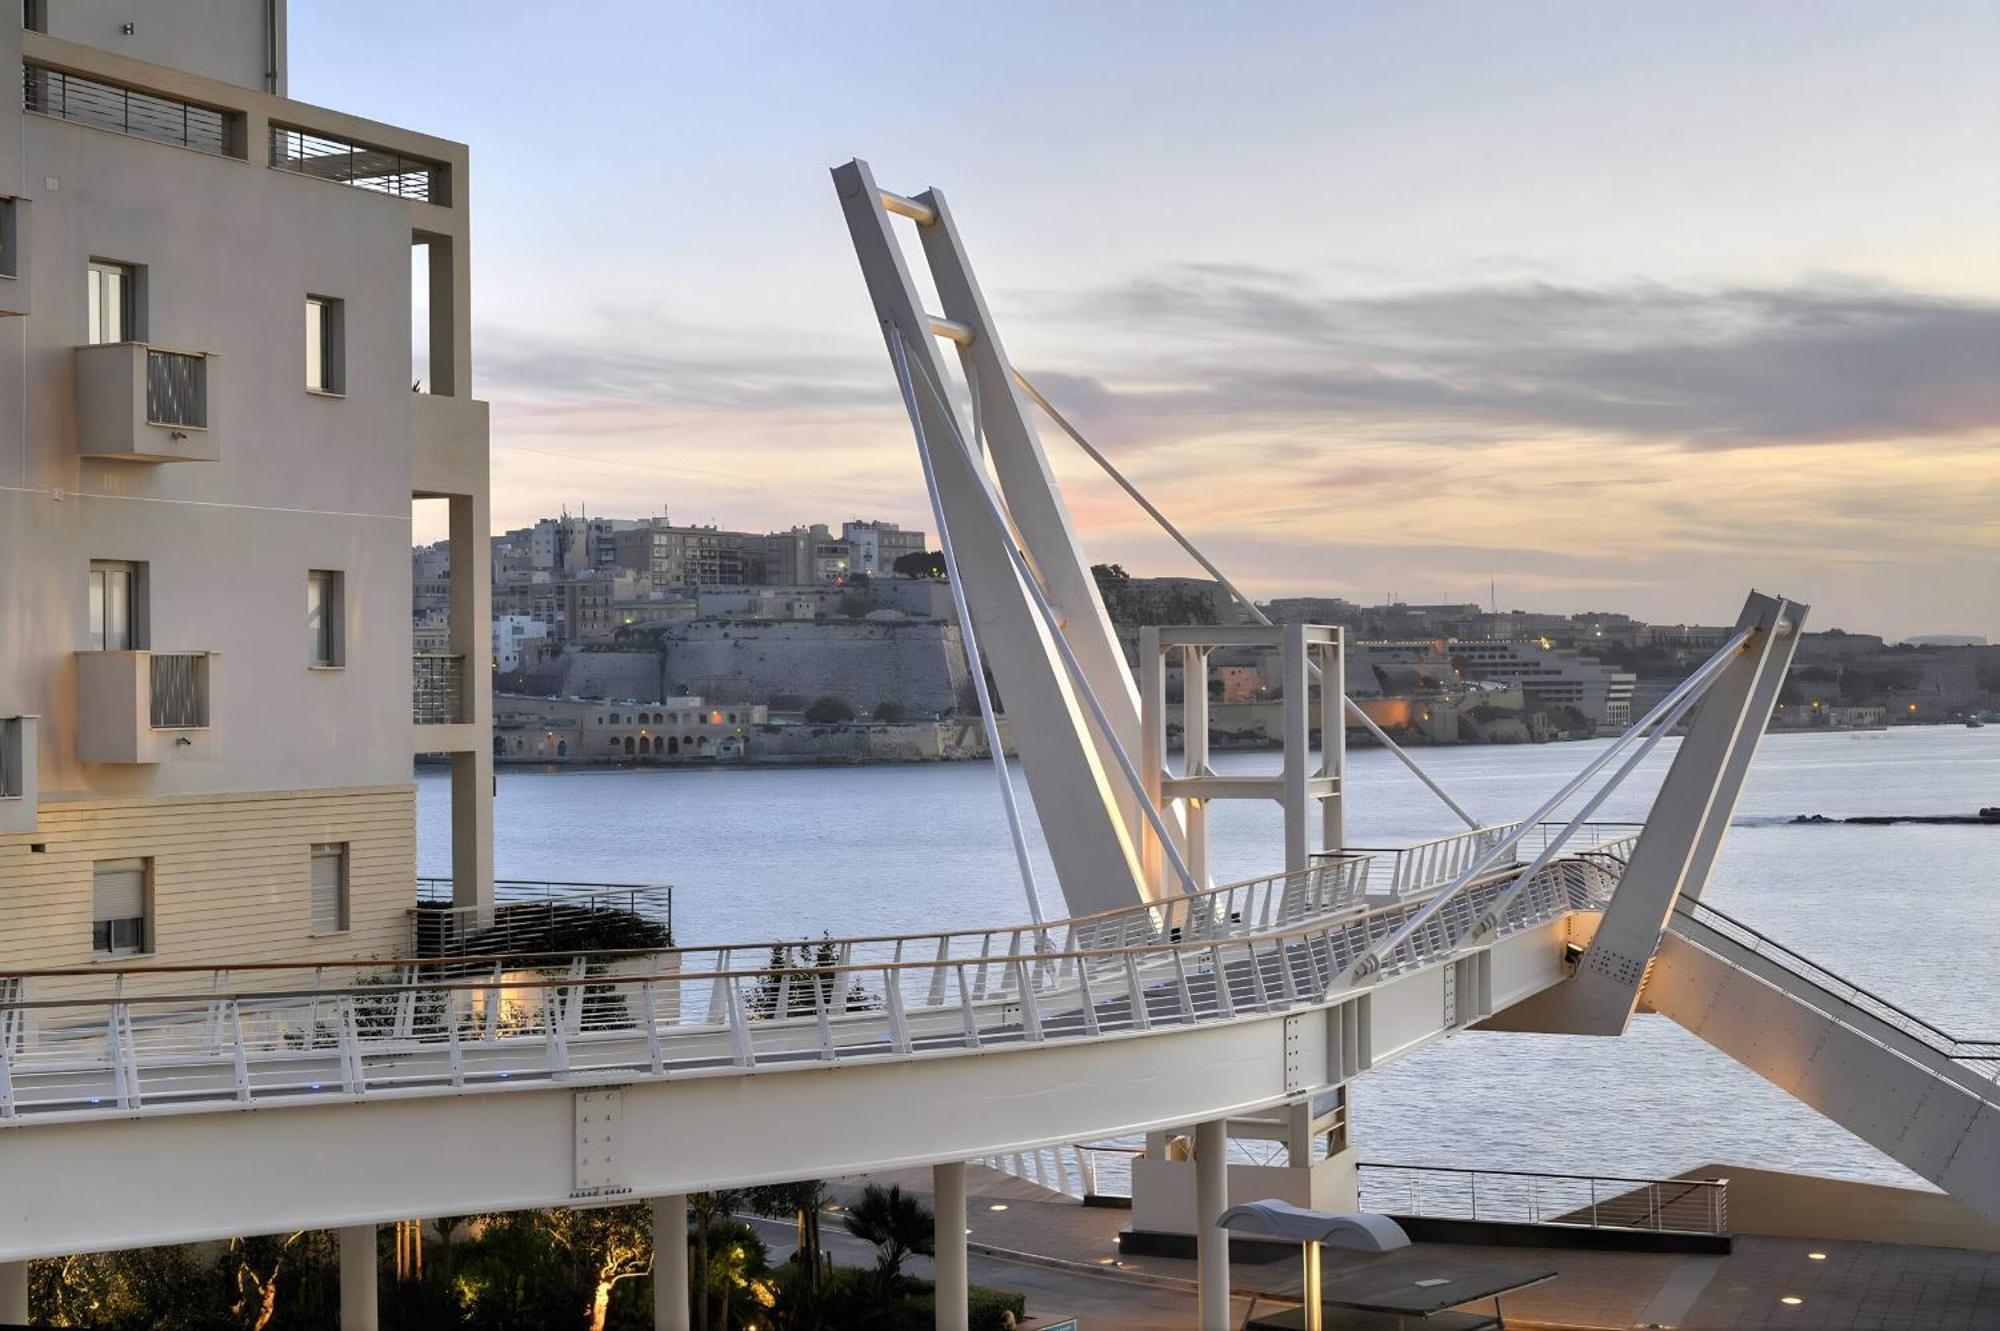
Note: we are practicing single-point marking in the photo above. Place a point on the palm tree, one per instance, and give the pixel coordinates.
(896, 1223)
(708, 1207)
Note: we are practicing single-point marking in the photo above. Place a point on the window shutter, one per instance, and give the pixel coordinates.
(118, 890)
(329, 888)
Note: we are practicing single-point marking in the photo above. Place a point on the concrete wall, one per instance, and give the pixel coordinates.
(229, 40)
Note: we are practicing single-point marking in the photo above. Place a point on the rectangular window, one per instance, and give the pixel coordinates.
(329, 888)
(10, 221)
(326, 361)
(324, 618)
(117, 622)
(35, 15)
(121, 907)
(113, 290)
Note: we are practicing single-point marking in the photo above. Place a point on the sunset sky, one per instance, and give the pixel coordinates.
(1617, 306)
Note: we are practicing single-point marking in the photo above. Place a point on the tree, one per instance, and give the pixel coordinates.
(895, 1222)
(605, 1247)
(889, 710)
(919, 564)
(829, 710)
(803, 1201)
(708, 1208)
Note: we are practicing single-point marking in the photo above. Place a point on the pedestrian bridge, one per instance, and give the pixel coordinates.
(211, 1103)
(248, 1100)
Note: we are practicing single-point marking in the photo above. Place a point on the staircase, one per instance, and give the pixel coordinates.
(1921, 1096)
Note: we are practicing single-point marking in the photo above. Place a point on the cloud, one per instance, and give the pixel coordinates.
(1736, 367)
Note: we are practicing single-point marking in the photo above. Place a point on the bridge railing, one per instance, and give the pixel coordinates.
(1403, 871)
(482, 1021)
(1508, 1196)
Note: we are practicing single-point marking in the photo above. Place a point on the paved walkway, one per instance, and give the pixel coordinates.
(1068, 1264)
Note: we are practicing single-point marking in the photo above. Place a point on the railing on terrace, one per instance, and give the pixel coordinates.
(526, 914)
(177, 389)
(179, 686)
(383, 170)
(1507, 1196)
(84, 1040)
(124, 110)
(437, 695)
(1979, 1056)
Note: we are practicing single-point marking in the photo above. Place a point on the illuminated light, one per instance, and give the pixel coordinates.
(997, 1206)
(1791, 1300)
(1815, 1256)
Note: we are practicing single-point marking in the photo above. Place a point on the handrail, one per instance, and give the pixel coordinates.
(1534, 1173)
(1176, 905)
(1807, 969)
(1589, 1201)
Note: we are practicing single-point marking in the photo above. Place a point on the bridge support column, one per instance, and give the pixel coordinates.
(358, 1257)
(954, 1292)
(1211, 1240)
(14, 1292)
(670, 1263)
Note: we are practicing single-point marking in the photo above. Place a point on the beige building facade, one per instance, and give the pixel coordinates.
(209, 701)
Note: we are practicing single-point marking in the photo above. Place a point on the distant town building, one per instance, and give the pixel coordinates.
(513, 632)
(876, 546)
(1551, 678)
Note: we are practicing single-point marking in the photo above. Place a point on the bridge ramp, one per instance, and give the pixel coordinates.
(1925, 1098)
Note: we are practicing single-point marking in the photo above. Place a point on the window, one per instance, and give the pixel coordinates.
(114, 303)
(324, 619)
(326, 360)
(329, 888)
(10, 221)
(35, 15)
(121, 907)
(117, 623)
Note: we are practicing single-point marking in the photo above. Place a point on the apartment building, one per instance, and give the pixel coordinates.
(209, 701)
(1551, 678)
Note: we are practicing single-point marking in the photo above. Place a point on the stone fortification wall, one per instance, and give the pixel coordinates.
(920, 665)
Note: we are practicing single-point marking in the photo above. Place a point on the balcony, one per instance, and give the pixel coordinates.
(450, 453)
(379, 170)
(17, 774)
(437, 697)
(144, 707)
(141, 403)
(133, 111)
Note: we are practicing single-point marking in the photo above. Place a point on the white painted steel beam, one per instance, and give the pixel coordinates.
(671, 1307)
(1875, 1081)
(1676, 851)
(1211, 1240)
(359, 1255)
(211, 1172)
(1077, 800)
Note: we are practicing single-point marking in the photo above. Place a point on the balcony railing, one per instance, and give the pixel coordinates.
(438, 694)
(180, 690)
(177, 389)
(382, 170)
(1516, 1197)
(125, 110)
(529, 916)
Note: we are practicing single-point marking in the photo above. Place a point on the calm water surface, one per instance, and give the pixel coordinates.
(1910, 912)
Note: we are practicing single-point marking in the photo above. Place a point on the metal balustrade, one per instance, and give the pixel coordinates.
(525, 913)
(382, 170)
(160, 1037)
(123, 110)
(179, 688)
(1428, 865)
(1507, 1196)
(177, 389)
(437, 694)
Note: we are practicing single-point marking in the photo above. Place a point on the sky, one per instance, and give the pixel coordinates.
(1576, 305)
